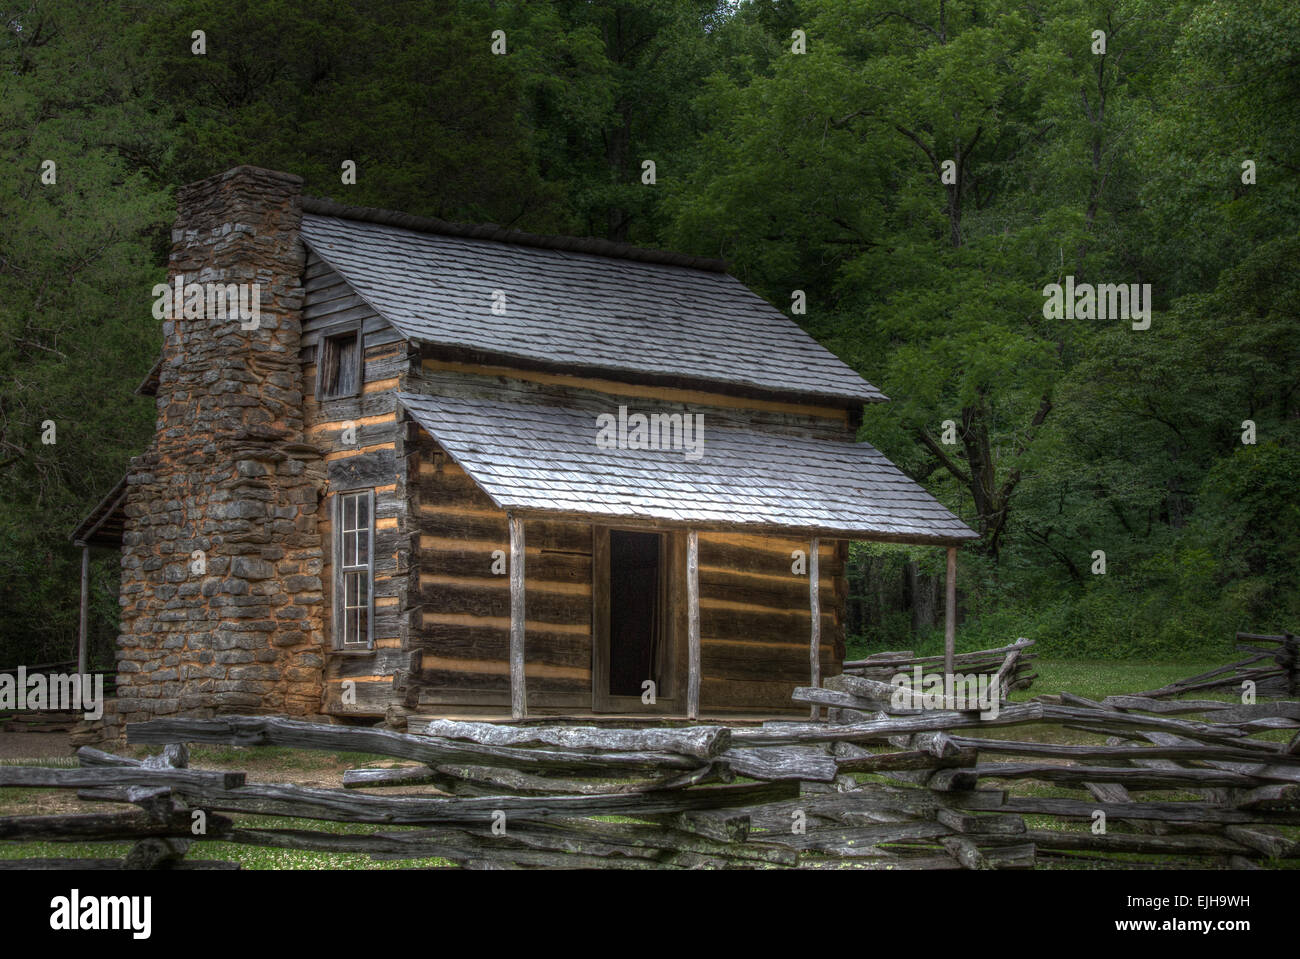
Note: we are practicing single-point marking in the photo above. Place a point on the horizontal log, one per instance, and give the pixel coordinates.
(761, 626)
(872, 690)
(782, 763)
(905, 657)
(1265, 638)
(884, 863)
(499, 681)
(761, 662)
(1241, 713)
(1275, 796)
(40, 777)
(986, 825)
(1285, 771)
(492, 599)
(341, 805)
(440, 697)
(372, 468)
(702, 742)
(491, 643)
(1164, 706)
(913, 759)
(372, 699)
(766, 556)
(469, 850)
(108, 827)
(1231, 675)
(404, 776)
(721, 692)
(1190, 812)
(853, 842)
(490, 526)
(382, 661)
(908, 702)
(1209, 732)
(795, 733)
(778, 593)
(1178, 778)
(468, 780)
(902, 802)
(90, 756)
(623, 839)
(1175, 844)
(541, 566)
(1191, 750)
(273, 731)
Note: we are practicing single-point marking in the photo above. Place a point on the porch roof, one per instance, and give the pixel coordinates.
(545, 459)
(104, 525)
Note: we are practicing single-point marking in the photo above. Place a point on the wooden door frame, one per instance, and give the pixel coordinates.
(671, 632)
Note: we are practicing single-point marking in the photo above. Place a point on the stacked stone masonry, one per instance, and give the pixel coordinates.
(222, 599)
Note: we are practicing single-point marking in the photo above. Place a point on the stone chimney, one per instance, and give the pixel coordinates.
(222, 609)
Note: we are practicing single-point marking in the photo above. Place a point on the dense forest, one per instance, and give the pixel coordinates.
(905, 178)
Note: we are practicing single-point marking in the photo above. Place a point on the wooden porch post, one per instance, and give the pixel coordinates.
(518, 694)
(950, 617)
(693, 625)
(85, 608)
(815, 605)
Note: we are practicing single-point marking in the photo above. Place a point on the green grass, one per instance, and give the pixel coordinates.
(1099, 679)
(249, 857)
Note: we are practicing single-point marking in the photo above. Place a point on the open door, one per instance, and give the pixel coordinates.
(631, 636)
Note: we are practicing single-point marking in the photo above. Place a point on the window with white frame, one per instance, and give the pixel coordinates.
(354, 540)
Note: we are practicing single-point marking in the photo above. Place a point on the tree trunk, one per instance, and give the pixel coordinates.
(923, 597)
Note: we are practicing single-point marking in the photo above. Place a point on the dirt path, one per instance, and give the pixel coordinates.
(35, 745)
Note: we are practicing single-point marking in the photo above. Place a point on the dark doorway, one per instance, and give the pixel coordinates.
(635, 616)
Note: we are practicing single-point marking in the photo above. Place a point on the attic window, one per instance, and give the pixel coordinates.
(340, 365)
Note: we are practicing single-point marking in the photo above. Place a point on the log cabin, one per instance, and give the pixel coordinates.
(462, 470)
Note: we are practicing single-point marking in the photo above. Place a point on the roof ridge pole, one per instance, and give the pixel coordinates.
(518, 693)
(950, 621)
(693, 624)
(815, 608)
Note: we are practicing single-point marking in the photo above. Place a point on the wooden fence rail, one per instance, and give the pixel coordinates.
(51, 720)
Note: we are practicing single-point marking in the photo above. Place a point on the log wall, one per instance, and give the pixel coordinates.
(452, 378)
(372, 457)
(461, 624)
(755, 619)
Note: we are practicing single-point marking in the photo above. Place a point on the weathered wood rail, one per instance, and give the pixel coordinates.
(1173, 783)
(1011, 666)
(50, 720)
(1272, 664)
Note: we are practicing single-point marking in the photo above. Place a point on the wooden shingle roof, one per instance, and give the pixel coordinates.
(580, 305)
(546, 459)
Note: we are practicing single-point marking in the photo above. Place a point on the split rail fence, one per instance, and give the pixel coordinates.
(1174, 783)
(50, 720)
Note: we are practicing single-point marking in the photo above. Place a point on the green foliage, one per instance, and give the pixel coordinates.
(77, 262)
(821, 172)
